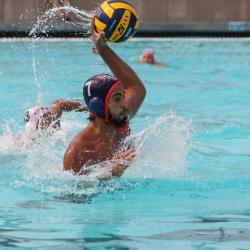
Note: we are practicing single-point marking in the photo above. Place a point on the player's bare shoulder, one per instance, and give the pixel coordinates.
(79, 151)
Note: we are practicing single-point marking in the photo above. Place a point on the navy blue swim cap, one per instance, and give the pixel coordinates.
(96, 92)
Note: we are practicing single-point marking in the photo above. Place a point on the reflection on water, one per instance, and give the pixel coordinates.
(216, 235)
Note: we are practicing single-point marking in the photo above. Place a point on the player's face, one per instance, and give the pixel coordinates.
(148, 57)
(118, 112)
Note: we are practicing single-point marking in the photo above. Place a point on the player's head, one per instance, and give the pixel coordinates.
(104, 96)
(38, 118)
(148, 56)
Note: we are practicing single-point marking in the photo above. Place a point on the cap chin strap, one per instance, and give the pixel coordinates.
(122, 129)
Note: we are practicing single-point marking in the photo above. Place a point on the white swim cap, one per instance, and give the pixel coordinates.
(34, 118)
(149, 51)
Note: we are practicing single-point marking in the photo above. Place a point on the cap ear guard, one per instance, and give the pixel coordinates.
(97, 106)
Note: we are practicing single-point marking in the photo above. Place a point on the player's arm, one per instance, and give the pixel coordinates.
(58, 106)
(134, 88)
(121, 162)
(79, 160)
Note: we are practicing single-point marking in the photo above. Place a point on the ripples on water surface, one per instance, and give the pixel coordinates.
(189, 186)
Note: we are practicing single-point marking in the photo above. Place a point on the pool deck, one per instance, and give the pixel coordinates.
(62, 29)
(158, 18)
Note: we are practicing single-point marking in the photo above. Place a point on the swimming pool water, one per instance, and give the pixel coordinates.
(189, 186)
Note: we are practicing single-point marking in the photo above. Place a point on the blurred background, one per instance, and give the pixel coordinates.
(158, 17)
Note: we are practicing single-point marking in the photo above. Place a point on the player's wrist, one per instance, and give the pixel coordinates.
(101, 47)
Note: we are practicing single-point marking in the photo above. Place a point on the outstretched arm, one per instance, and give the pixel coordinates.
(58, 106)
(134, 88)
(76, 160)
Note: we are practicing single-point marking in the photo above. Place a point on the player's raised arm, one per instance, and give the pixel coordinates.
(134, 88)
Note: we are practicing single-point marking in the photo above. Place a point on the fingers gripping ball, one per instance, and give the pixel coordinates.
(118, 20)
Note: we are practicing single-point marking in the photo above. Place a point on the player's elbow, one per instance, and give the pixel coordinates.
(57, 106)
(69, 160)
(57, 103)
(141, 92)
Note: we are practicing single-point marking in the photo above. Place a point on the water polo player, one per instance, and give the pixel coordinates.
(112, 102)
(148, 57)
(41, 118)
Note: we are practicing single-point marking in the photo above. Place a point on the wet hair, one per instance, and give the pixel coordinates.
(91, 117)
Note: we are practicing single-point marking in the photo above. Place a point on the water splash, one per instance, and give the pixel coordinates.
(9, 139)
(163, 148)
(37, 82)
(46, 23)
(16, 139)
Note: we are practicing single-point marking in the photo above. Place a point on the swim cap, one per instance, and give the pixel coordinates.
(96, 92)
(34, 117)
(149, 51)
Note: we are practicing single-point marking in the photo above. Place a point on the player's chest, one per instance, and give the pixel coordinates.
(107, 147)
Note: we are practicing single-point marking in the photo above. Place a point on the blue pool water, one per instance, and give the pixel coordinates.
(189, 186)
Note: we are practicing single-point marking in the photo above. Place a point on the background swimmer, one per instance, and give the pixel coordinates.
(148, 57)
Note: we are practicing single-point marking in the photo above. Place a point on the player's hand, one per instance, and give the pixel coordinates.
(98, 39)
(128, 155)
(121, 161)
